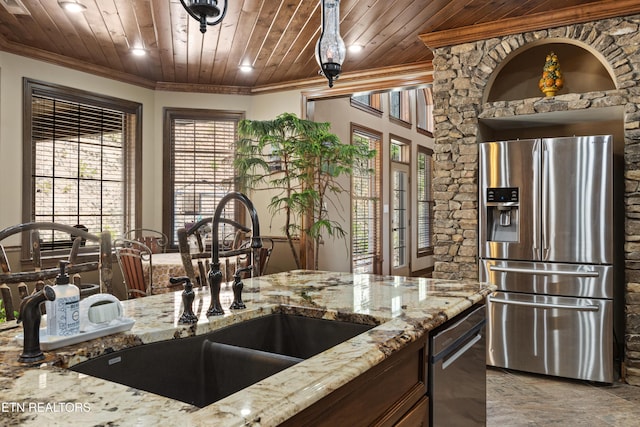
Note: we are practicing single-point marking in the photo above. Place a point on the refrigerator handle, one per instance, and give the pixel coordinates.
(535, 161)
(588, 307)
(544, 272)
(545, 201)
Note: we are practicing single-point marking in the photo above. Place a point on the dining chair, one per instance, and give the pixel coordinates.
(7, 302)
(155, 240)
(264, 254)
(10, 304)
(132, 256)
(94, 256)
(136, 263)
(193, 248)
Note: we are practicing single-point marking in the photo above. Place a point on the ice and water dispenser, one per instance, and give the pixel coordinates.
(502, 205)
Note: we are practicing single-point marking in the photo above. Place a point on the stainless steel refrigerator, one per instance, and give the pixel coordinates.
(546, 241)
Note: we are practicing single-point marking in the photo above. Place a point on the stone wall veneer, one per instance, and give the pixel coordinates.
(461, 75)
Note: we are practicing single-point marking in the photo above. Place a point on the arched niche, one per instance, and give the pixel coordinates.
(584, 70)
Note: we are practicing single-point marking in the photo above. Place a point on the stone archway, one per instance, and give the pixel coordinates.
(461, 76)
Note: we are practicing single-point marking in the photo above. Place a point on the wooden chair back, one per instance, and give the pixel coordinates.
(264, 254)
(10, 304)
(7, 302)
(101, 259)
(192, 247)
(131, 255)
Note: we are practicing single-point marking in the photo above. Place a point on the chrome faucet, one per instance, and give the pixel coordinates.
(215, 275)
(30, 316)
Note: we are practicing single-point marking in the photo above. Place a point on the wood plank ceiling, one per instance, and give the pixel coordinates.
(276, 37)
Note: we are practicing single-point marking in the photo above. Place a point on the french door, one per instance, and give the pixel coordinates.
(400, 220)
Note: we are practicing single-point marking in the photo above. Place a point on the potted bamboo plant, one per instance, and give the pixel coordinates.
(301, 161)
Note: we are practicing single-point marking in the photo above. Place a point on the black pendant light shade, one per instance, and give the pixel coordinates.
(207, 12)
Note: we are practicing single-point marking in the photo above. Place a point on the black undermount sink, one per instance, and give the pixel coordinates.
(204, 369)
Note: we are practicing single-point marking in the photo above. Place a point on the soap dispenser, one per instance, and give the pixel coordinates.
(63, 313)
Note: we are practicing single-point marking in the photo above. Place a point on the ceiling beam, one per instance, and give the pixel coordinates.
(537, 21)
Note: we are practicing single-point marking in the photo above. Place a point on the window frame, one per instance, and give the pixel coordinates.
(428, 107)
(132, 150)
(373, 107)
(404, 118)
(171, 114)
(426, 250)
(377, 179)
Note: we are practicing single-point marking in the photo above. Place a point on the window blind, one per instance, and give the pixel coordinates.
(78, 169)
(425, 202)
(202, 157)
(365, 217)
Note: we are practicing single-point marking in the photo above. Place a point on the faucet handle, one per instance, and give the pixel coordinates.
(187, 299)
(237, 288)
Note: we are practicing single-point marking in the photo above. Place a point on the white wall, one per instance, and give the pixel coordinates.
(334, 255)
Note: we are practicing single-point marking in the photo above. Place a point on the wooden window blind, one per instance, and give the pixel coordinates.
(79, 160)
(366, 216)
(202, 151)
(425, 202)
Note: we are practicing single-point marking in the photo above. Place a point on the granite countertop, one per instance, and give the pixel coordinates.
(403, 308)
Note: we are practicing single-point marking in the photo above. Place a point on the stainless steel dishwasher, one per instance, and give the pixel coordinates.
(457, 371)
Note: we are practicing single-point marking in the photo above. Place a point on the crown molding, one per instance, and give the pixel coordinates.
(406, 75)
(538, 21)
(63, 61)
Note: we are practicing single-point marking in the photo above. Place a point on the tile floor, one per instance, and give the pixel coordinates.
(517, 399)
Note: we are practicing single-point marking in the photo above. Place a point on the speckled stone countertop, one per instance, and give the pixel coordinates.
(403, 308)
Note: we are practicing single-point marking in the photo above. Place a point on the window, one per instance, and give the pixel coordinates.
(365, 207)
(399, 149)
(424, 110)
(369, 102)
(399, 105)
(425, 202)
(199, 152)
(80, 152)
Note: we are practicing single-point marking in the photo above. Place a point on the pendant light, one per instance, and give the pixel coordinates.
(207, 12)
(330, 49)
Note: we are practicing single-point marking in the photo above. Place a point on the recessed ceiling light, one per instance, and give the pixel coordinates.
(138, 51)
(72, 6)
(246, 68)
(355, 48)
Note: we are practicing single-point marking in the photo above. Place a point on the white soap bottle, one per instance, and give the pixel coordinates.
(63, 314)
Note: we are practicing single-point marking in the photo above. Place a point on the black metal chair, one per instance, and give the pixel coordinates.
(155, 240)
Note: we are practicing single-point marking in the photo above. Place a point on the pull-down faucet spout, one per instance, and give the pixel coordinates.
(215, 275)
(30, 318)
